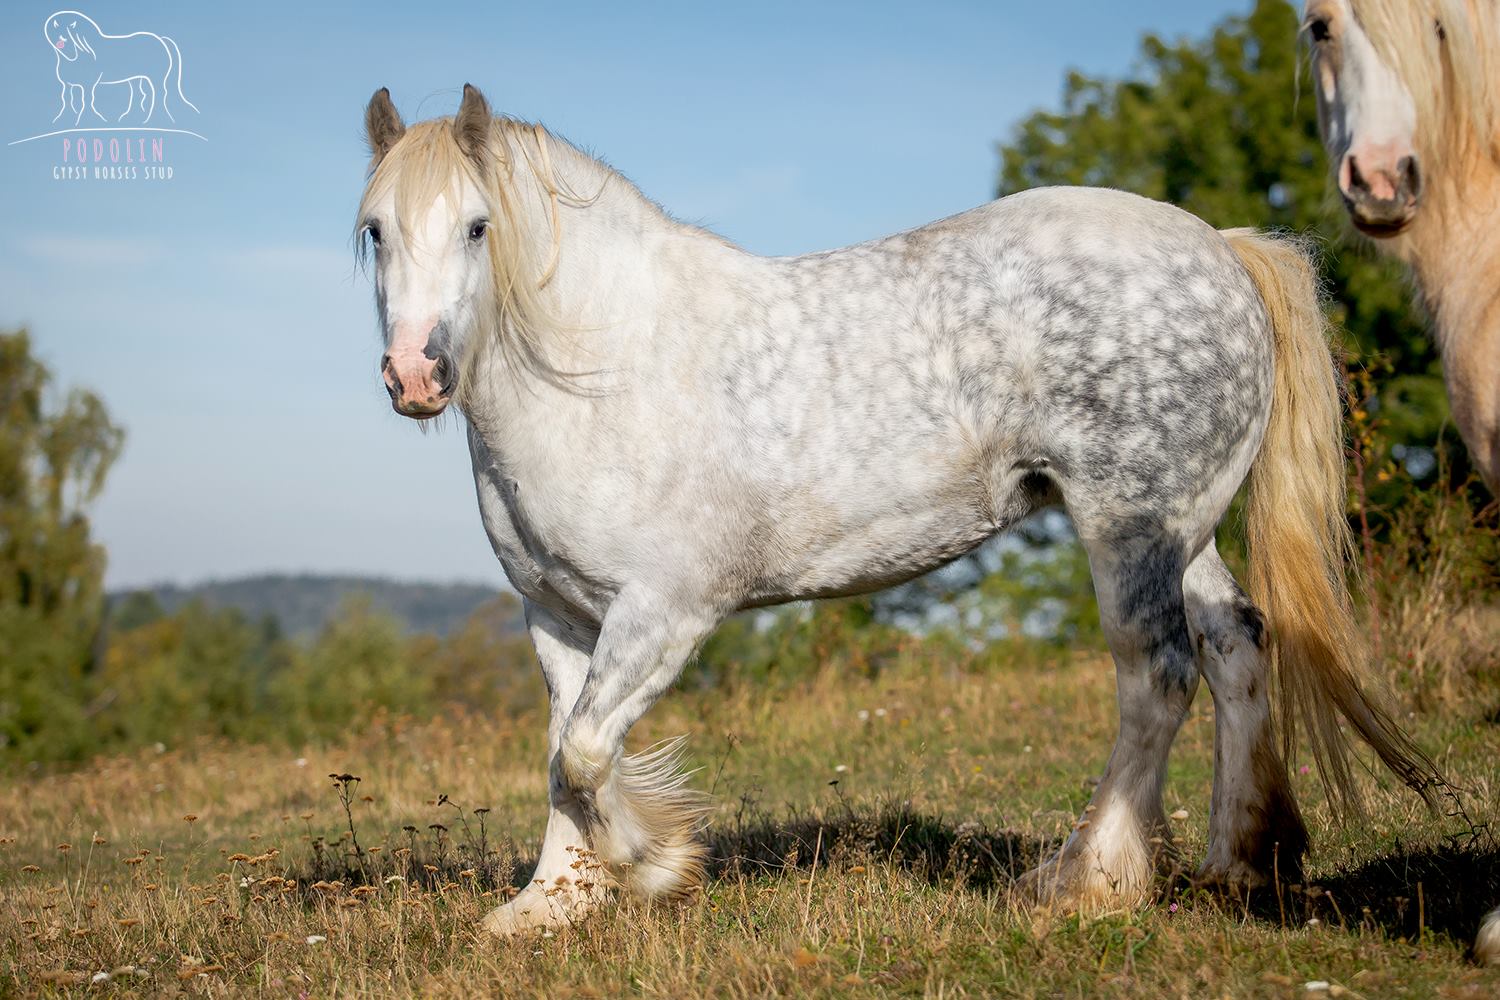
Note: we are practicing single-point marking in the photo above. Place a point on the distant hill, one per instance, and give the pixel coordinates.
(303, 603)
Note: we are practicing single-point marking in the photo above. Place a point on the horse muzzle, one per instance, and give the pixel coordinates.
(421, 382)
(1381, 200)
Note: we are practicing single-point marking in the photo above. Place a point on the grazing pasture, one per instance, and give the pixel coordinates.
(870, 821)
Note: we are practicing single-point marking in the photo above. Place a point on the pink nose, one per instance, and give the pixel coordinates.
(1381, 185)
(418, 376)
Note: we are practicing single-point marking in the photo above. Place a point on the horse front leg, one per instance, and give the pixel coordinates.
(64, 109)
(642, 819)
(93, 105)
(566, 883)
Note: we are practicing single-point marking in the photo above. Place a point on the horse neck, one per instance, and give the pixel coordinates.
(588, 239)
(600, 293)
(1454, 251)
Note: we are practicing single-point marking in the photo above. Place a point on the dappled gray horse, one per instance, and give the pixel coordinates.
(666, 429)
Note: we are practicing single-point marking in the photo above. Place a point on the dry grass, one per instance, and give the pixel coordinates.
(894, 881)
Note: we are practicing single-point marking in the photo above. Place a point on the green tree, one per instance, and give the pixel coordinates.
(53, 462)
(1226, 127)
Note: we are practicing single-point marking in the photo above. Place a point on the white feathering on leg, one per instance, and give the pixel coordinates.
(652, 821)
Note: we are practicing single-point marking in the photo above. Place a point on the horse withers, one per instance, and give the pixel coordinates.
(665, 429)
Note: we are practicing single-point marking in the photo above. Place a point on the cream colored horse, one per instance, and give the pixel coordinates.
(1409, 106)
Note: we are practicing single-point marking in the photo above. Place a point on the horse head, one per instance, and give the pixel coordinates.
(71, 34)
(427, 221)
(1368, 117)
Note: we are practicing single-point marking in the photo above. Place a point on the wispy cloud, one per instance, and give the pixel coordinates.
(298, 258)
(91, 251)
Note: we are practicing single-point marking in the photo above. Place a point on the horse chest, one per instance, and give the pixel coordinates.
(521, 531)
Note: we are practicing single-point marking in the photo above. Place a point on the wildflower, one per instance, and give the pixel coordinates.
(840, 768)
(880, 713)
(300, 762)
(30, 868)
(1304, 769)
(1180, 814)
(394, 878)
(190, 818)
(128, 921)
(100, 977)
(864, 715)
(64, 848)
(316, 939)
(99, 841)
(238, 856)
(1026, 748)
(1172, 908)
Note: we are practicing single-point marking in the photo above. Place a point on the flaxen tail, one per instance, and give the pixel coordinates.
(1299, 540)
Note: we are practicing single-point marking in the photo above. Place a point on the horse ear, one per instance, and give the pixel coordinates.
(472, 125)
(383, 125)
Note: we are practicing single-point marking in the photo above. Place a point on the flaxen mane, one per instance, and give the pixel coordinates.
(1445, 52)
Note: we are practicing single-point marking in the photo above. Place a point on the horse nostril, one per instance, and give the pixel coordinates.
(444, 375)
(1356, 179)
(385, 362)
(1411, 176)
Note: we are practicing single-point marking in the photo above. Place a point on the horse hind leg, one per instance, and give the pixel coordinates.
(1121, 842)
(1255, 830)
(166, 86)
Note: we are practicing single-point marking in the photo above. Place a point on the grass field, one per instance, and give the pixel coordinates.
(866, 838)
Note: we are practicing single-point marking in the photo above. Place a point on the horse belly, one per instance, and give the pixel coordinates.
(877, 533)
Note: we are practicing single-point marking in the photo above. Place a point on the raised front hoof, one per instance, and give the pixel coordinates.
(542, 908)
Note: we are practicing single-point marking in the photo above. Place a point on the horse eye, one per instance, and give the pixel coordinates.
(476, 231)
(374, 232)
(1318, 29)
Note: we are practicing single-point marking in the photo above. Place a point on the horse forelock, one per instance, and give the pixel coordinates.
(1445, 52)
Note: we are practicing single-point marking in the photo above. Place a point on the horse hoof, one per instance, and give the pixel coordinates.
(540, 909)
(1236, 879)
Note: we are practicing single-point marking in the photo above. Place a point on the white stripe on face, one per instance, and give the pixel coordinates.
(1366, 113)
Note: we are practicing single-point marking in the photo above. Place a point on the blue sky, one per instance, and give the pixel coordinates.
(219, 313)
